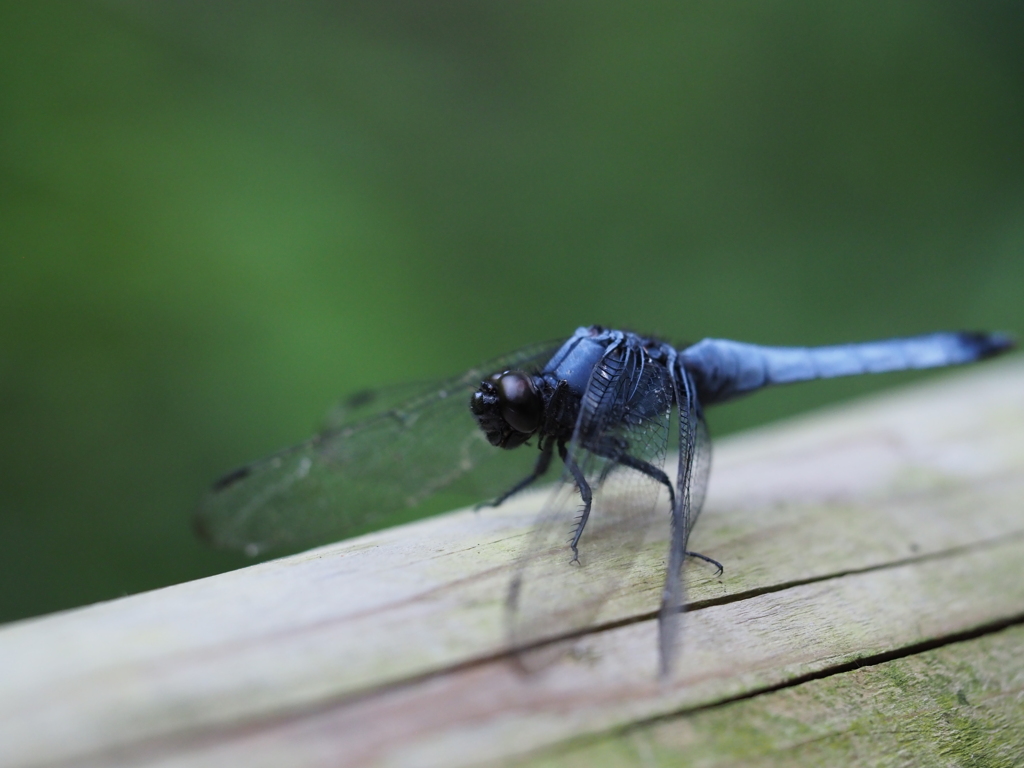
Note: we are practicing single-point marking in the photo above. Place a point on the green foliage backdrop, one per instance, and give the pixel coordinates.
(218, 217)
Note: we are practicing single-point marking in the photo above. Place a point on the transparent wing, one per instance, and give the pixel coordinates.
(694, 466)
(380, 453)
(699, 473)
(623, 423)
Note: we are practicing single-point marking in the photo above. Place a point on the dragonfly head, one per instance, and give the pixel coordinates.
(508, 407)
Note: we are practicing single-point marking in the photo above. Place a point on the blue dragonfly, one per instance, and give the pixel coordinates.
(610, 404)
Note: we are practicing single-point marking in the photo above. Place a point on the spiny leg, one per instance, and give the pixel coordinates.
(543, 462)
(619, 456)
(652, 471)
(706, 559)
(585, 495)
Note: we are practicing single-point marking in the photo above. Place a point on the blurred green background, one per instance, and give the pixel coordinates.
(216, 218)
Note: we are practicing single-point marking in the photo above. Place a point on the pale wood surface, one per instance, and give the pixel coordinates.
(958, 705)
(870, 533)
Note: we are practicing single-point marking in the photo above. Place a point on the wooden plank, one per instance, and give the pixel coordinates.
(845, 535)
(962, 704)
(468, 715)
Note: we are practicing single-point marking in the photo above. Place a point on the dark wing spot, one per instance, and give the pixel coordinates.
(231, 478)
(361, 398)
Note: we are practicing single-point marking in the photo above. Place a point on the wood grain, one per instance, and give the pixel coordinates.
(961, 704)
(868, 534)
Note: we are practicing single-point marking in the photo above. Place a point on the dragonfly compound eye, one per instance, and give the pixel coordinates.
(521, 404)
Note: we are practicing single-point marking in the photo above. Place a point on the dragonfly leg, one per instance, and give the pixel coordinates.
(541, 467)
(706, 559)
(652, 471)
(619, 456)
(585, 495)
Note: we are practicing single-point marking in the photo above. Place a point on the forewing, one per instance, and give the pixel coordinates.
(627, 403)
(694, 465)
(381, 453)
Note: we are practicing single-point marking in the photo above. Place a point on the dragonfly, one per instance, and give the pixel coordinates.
(610, 404)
